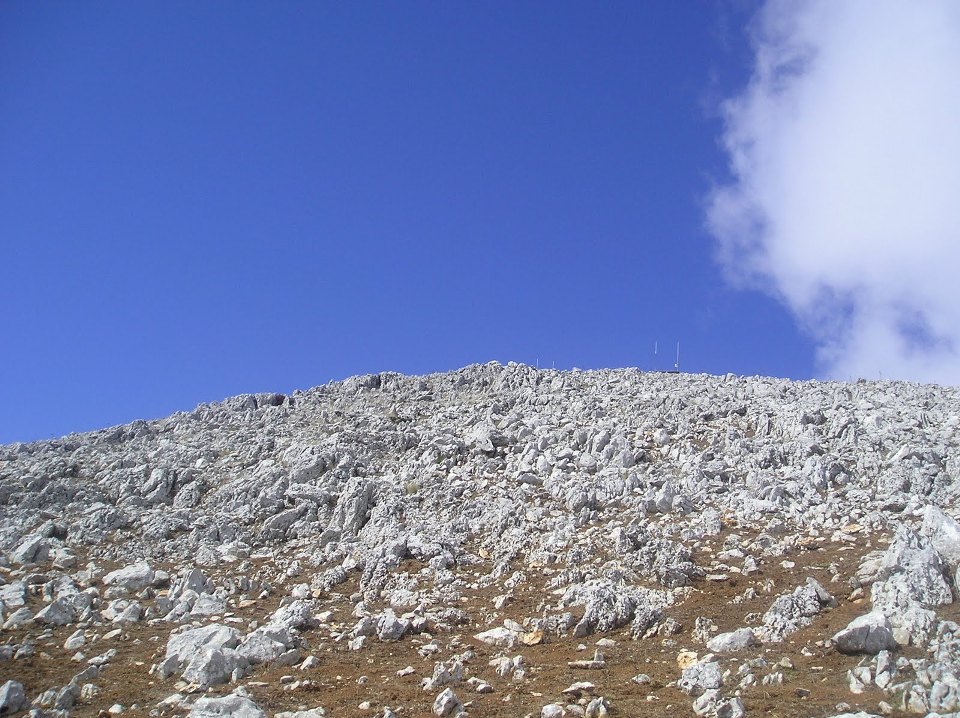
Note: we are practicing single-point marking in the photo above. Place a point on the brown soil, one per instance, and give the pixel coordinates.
(344, 679)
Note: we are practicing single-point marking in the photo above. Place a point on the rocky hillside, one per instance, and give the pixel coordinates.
(494, 541)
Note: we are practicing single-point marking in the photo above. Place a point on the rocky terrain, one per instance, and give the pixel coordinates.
(494, 541)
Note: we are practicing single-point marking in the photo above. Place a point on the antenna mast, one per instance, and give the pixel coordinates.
(677, 365)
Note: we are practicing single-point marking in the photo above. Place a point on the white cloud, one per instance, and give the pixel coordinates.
(844, 202)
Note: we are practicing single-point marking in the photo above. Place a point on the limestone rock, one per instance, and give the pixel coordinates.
(202, 651)
(57, 613)
(12, 697)
(447, 704)
(265, 645)
(214, 666)
(868, 634)
(501, 636)
(33, 549)
(132, 578)
(231, 705)
(699, 677)
(602, 494)
(791, 611)
(733, 641)
(944, 534)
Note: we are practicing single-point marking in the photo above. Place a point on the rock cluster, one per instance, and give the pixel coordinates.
(479, 519)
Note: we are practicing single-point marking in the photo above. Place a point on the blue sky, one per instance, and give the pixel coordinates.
(205, 199)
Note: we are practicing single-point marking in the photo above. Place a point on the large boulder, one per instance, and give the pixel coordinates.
(868, 634)
(133, 578)
(944, 534)
(58, 613)
(791, 611)
(12, 698)
(32, 549)
(205, 653)
(212, 667)
(700, 677)
(265, 645)
(185, 644)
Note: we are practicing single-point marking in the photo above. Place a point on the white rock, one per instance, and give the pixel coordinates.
(231, 705)
(501, 637)
(596, 708)
(446, 704)
(58, 613)
(733, 641)
(944, 533)
(317, 712)
(12, 697)
(74, 641)
(134, 577)
(706, 702)
(731, 708)
(699, 677)
(32, 549)
(264, 645)
(391, 628)
(869, 634)
(18, 618)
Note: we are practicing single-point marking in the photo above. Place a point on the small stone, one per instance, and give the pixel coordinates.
(75, 640)
(532, 638)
